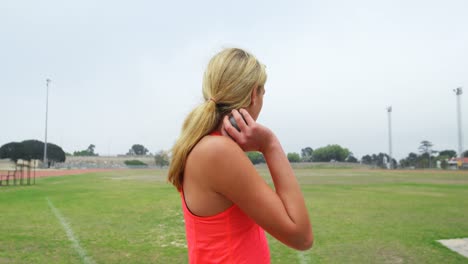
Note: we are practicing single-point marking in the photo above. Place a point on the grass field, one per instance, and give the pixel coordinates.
(133, 216)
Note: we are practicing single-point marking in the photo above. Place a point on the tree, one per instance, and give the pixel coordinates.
(31, 149)
(306, 154)
(367, 159)
(379, 160)
(426, 159)
(465, 154)
(449, 153)
(330, 152)
(12, 151)
(382, 159)
(410, 161)
(135, 163)
(426, 148)
(55, 153)
(443, 161)
(138, 150)
(444, 156)
(91, 148)
(444, 164)
(423, 160)
(351, 158)
(87, 152)
(255, 157)
(294, 157)
(161, 158)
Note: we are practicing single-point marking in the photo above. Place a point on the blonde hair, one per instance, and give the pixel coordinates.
(228, 82)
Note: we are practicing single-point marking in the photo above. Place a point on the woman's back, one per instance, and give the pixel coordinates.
(201, 196)
(228, 237)
(218, 231)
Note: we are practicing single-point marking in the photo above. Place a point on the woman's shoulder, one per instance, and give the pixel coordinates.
(213, 147)
(217, 161)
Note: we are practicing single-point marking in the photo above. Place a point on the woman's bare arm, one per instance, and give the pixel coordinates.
(283, 212)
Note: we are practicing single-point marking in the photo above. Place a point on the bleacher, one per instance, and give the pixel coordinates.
(21, 172)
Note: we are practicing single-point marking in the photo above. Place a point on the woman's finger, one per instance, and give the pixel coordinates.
(230, 130)
(239, 120)
(247, 117)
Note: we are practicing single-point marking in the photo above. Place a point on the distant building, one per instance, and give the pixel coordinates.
(452, 164)
(462, 163)
(458, 163)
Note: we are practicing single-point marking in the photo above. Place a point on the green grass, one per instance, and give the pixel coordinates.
(133, 216)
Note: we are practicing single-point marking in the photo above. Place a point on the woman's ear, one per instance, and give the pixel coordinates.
(253, 96)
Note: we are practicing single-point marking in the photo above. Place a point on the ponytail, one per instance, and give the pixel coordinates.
(199, 123)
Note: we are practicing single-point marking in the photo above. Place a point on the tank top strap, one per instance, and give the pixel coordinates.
(215, 133)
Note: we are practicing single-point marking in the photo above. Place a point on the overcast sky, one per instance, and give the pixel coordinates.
(129, 72)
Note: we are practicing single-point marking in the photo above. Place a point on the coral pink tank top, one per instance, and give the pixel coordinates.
(228, 237)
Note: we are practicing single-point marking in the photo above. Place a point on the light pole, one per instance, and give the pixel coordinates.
(389, 110)
(46, 115)
(459, 92)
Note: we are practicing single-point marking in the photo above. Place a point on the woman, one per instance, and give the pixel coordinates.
(226, 203)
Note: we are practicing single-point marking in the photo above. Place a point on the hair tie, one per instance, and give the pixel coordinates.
(212, 99)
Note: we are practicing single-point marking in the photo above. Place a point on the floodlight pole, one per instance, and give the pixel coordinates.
(47, 112)
(459, 92)
(389, 110)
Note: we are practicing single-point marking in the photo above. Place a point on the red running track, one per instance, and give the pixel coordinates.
(48, 173)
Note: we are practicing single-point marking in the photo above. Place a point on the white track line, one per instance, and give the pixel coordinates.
(303, 258)
(75, 242)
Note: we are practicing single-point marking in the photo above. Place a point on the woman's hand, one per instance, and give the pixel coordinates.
(281, 211)
(252, 136)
